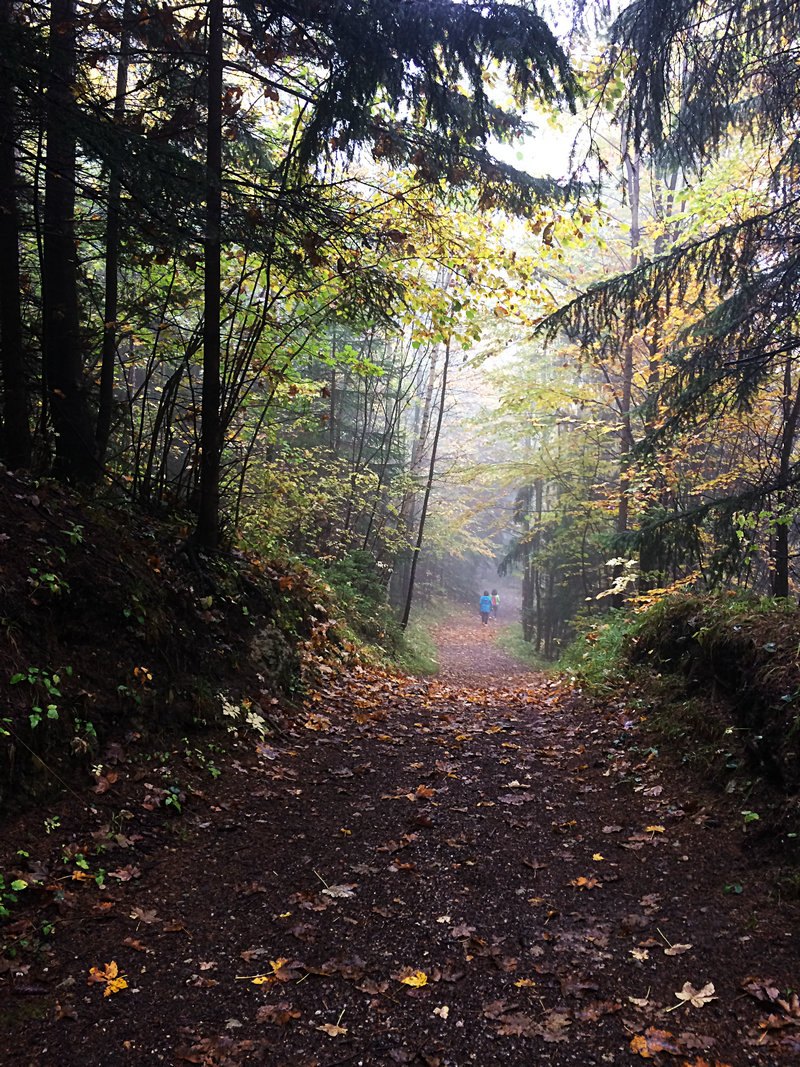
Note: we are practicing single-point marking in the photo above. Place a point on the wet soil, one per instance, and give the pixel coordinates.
(480, 868)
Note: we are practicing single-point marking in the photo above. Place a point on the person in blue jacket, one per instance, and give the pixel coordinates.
(485, 604)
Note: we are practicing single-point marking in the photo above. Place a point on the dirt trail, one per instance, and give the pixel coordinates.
(467, 651)
(467, 870)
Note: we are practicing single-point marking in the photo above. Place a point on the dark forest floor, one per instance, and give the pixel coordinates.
(477, 869)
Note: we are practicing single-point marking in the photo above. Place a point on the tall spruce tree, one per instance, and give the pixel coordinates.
(697, 77)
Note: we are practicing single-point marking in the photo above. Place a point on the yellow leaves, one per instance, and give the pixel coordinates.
(413, 978)
(82, 876)
(654, 829)
(653, 1041)
(585, 883)
(110, 976)
(283, 970)
(597, 857)
(317, 722)
(422, 791)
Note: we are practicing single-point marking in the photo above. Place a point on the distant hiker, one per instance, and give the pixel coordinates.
(485, 606)
(495, 602)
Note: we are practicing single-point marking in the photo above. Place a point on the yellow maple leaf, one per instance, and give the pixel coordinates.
(416, 978)
(597, 856)
(654, 829)
(585, 883)
(114, 981)
(115, 985)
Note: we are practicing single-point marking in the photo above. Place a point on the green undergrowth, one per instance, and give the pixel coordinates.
(716, 681)
(418, 653)
(510, 640)
(112, 623)
(358, 587)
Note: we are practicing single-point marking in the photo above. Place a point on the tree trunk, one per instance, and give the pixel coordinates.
(15, 433)
(632, 168)
(63, 363)
(207, 532)
(111, 304)
(791, 411)
(426, 498)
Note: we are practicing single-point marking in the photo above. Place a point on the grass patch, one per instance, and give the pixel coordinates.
(511, 641)
(417, 653)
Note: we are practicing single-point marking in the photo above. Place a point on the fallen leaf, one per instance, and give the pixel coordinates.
(135, 944)
(332, 1030)
(652, 1041)
(414, 978)
(592, 1012)
(372, 987)
(761, 988)
(585, 883)
(515, 1025)
(124, 874)
(104, 782)
(144, 916)
(676, 950)
(554, 1027)
(339, 892)
(114, 981)
(697, 997)
(279, 1014)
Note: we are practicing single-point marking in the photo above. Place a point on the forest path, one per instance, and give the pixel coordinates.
(470, 870)
(468, 652)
